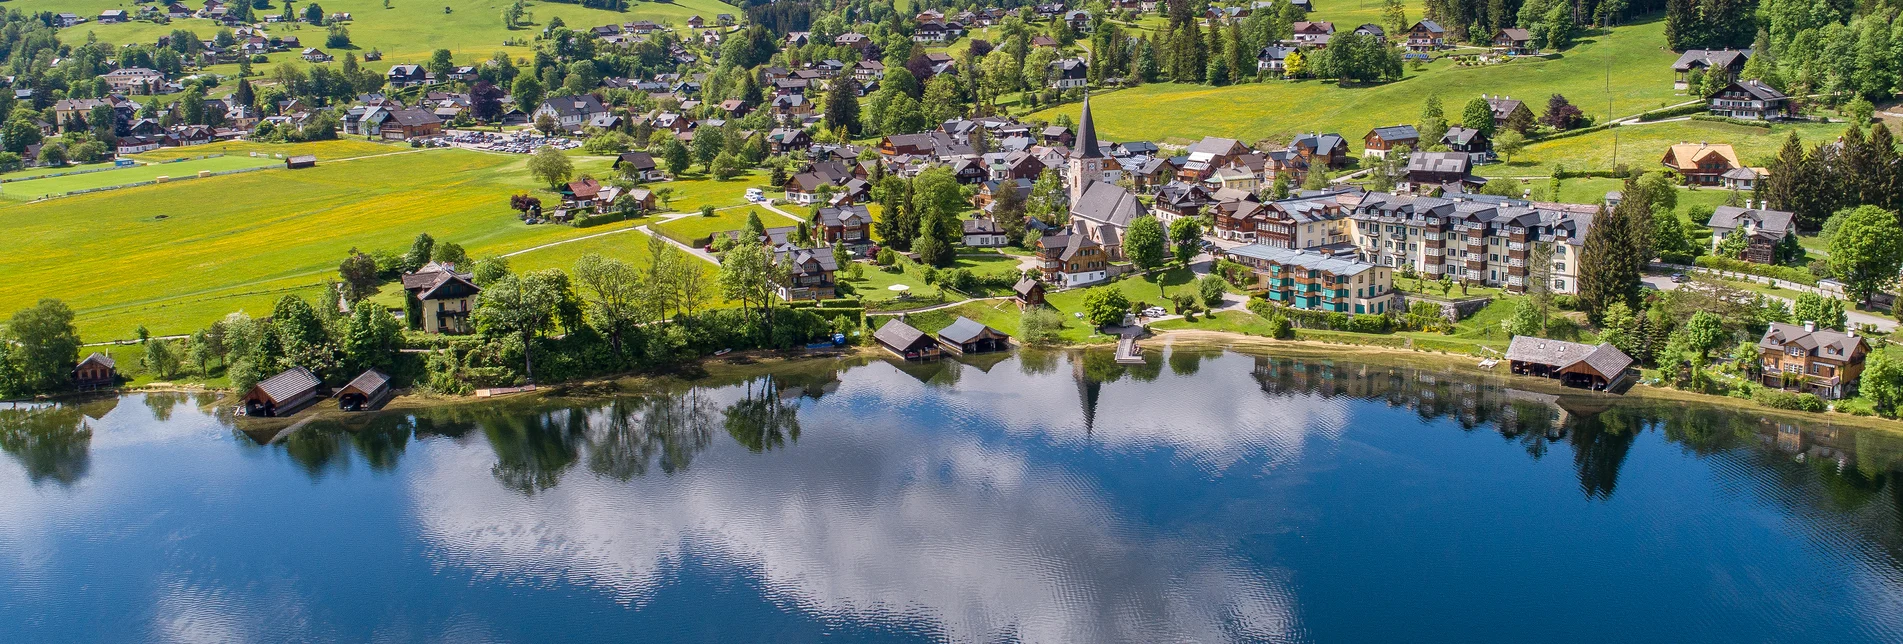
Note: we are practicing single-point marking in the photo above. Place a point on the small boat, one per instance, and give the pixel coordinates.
(722, 352)
(1488, 363)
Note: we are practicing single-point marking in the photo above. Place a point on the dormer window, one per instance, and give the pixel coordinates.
(1795, 351)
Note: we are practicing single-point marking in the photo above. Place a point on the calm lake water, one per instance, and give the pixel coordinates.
(1208, 496)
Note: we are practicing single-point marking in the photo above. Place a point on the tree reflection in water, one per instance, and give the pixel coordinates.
(640, 433)
(534, 450)
(760, 420)
(52, 442)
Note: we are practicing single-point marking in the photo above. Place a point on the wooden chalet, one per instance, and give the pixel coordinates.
(1824, 362)
(444, 297)
(1028, 293)
(366, 392)
(1379, 141)
(905, 341)
(966, 336)
(95, 372)
(1574, 364)
(282, 394)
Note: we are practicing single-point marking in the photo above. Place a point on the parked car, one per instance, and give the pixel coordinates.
(755, 195)
(1678, 277)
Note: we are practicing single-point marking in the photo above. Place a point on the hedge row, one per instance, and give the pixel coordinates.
(1726, 119)
(1669, 112)
(1786, 273)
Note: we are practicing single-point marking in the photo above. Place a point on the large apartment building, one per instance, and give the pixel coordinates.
(1477, 239)
(1318, 281)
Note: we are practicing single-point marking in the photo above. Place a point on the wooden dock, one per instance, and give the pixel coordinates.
(1128, 352)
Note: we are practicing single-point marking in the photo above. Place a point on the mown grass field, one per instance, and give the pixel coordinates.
(1643, 145)
(875, 285)
(694, 230)
(324, 150)
(181, 170)
(1278, 110)
(407, 32)
(243, 241)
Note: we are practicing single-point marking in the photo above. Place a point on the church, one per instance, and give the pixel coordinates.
(1100, 209)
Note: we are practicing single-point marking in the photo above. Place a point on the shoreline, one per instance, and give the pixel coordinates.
(767, 359)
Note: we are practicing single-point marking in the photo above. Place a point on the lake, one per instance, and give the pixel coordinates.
(1208, 496)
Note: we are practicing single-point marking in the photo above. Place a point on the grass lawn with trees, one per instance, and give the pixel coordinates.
(1642, 145)
(874, 285)
(243, 241)
(1279, 110)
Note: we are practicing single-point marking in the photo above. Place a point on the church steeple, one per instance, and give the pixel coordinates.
(1086, 136)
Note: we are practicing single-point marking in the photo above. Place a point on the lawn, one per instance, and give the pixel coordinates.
(243, 241)
(695, 230)
(1136, 289)
(625, 244)
(693, 191)
(874, 285)
(1278, 110)
(36, 188)
(406, 32)
(324, 150)
(1642, 145)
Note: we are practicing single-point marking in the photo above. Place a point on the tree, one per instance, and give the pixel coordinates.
(676, 157)
(1669, 239)
(1104, 306)
(746, 275)
(1867, 251)
(551, 166)
(523, 306)
(161, 359)
(1704, 333)
(842, 106)
(420, 252)
(450, 253)
(372, 339)
(1508, 144)
(1187, 234)
(613, 292)
(931, 246)
(1883, 382)
(44, 346)
(1610, 260)
(527, 92)
(1478, 115)
(359, 273)
(1433, 123)
(1049, 201)
(1827, 312)
(337, 37)
(1210, 289)
(1526, 319)
(1394, 17)
(1561, 114)
(485, 101)
(1143, 243)
(1040, 326)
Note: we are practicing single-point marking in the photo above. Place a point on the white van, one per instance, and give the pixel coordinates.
(755, 195)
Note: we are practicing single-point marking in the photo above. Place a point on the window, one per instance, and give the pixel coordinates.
(1795, 351)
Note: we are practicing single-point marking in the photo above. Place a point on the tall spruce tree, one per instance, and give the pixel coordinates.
(1611, 262)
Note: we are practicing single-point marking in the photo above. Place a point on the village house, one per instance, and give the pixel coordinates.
(983, 232)
(809, 273)
(1514, 42)
(1071, 259)
(1331, 150)
(1752, 101)
(1069, 73)
(1600, 367)
(315, 55)
(401, 76)
(1378, 141)
(851, 225)
(408, 124)
(1700, 163)
(282, 394)
(1763, 230)
(112, 16)
(443, 296)
(1273, 58)
(1426, 36)
(1429, 170)
(1727, 63)
(966, 336)
(1810, 359)
(1505, 108)
(95, 372)
(1313, 34)
(571, 112)
(1468, 141)
(639, 165)
(1307, 223)
(906, 342)
(1374, 31)
(134, 80)
(786, 140)
(1317, 281)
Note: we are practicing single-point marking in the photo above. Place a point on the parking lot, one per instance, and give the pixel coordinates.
(518, 142)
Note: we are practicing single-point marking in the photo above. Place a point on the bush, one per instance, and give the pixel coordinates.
(1040, 326)
(1787, 273)
(1780, 399)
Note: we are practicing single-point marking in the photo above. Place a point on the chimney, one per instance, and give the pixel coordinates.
(1810, 326)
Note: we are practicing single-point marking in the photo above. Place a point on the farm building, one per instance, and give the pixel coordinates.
(94, 372)
(281, 394)
(905, 341)
(365, 393)
(967, 336)
(1573, 364)
(300, 162)
(1028, 293)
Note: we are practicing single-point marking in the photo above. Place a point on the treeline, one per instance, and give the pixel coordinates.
(1477, 21)
(1814, 183)
(1798, 46)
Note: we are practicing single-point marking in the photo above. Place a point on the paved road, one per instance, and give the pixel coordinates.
(1855, 317)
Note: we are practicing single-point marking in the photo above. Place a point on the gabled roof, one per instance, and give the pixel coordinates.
(98, 359)
(1721, 58)
(1776, 222)
(1685, 156)
(368, 382)
(1605, 359)
(1396, 133)
(290, 384)
(900, 335)
(964, 329)
(1107, 203)
(1780, 335)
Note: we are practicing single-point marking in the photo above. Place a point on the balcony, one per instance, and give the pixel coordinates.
(1513, 245)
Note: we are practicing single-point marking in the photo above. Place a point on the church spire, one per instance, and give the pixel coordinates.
(1086, 135)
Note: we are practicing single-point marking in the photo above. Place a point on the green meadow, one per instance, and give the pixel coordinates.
(406, 32)
(181, 170)
(176, 256)
(1279, 110)
(1643, 145)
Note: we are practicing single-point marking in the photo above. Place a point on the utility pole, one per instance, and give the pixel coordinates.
(1609, 114)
